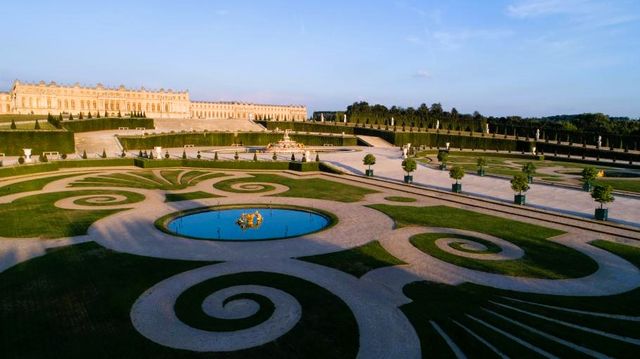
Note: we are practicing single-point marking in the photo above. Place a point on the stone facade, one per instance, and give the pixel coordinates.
(42, 98)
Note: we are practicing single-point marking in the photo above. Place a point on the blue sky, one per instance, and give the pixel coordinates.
(526, 57)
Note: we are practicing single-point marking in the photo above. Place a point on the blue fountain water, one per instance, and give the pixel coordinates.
(222, 224)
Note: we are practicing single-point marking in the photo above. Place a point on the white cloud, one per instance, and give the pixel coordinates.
(422, 74)
(588, 13)
(455, 39)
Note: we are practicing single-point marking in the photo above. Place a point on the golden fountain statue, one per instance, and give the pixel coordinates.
(249, 220)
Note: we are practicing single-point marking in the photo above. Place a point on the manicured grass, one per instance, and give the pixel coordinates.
(148, 179)
(36, 216)
(175, 197)
(630, 185)
(400, 199)
(327, 328)
(444, 304)
(31, 184)
(17, 118)
(305, 188)
(542, 259)
(44, 125)
(357, 261)
(76, 302)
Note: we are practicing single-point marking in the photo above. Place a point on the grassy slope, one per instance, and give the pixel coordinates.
(306, 188)
(631, 185)
(542, 259)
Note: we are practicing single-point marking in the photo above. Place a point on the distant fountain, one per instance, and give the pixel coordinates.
(285, 144)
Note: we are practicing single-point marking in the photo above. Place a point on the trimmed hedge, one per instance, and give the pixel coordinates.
(108, 162)
(28, 169)
(12, 142)
(308, 126)
(550, 149)
(107, 123)
(173, 140)
(244, 165)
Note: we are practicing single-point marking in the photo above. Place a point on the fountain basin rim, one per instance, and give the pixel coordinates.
(162, 222)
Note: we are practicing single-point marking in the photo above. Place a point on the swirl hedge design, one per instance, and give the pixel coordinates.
(246, 310)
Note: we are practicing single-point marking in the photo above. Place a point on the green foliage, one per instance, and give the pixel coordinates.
(482, 162)
(529, 168)
(520, 183)
(255, 157)
(12, 142)
(443, 157)
(84, 154)
(409, 165)
(369, 160)
(37, 126)
(13, 125)
(589, 174)
(104, 153)
(456, 172)
(100, 124)
(172, 140)
(70, 117)
(602, 194)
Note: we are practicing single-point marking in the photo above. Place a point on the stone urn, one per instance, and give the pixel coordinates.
(27, 154)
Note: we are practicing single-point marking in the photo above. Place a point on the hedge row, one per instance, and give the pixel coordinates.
(243, 165)
(308, 126)
(56, 165)
(173, 140)
(104, 123)
(578, 151)
(12, 142)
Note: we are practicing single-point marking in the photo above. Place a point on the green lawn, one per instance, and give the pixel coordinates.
(305, 188)
(36, 216)
(148, 180)
(630, 185)
(357, 261)
(31, 184)
(76, 302)
(175, 197)
(9, 118)
(542, 259)
(44, 125)
(450, 307)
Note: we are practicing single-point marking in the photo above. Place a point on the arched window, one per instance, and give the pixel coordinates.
(73, 104)
(66, 104)
(166, 108)
(153, 107)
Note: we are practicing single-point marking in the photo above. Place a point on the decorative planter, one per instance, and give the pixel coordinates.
(456, 187)
(443, 166)
(602, 214)
(408, 179)
(481, 172)
(530, 179)
(520, 199)
(587, 187)
(369, 173)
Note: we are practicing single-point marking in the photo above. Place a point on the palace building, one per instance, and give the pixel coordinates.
(42, 98)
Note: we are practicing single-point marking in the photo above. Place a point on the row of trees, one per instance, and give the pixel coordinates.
(426, 116)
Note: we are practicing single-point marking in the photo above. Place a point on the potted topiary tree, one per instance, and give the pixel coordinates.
(184, 154)
(293, 157)
(123, 154)
(84, 154)
(166, 155)
(456, 172)
(274, 157)
(255, 157)
(443, 157)
(369, 160)
(104, 153)
(520, 184)
(602, 194)
(589, 174)
(482, 162)
(317, 157)
(409, 165)
(529, 169)
(198, 156)
(236, 156)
